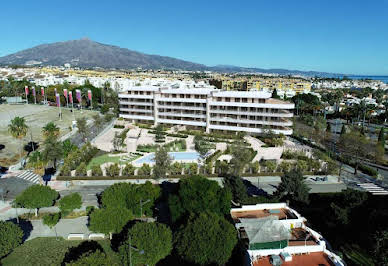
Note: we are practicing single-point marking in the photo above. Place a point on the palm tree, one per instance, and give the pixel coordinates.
(50, 129)
(18, 129)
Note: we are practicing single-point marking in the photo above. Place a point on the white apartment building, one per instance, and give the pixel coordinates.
(206, 107)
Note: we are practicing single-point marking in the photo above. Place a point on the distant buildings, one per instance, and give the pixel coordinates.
(275, 234)
(204, 106)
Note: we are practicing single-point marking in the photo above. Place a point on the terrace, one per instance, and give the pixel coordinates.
(313, 258)
(281, 213)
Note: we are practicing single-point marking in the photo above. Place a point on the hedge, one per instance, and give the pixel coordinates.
(69, 178)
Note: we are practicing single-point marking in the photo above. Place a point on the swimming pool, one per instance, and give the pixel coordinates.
(176, 156)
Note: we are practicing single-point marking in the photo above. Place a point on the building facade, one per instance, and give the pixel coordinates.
(208, 108)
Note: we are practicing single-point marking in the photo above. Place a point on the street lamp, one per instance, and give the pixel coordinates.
(141, 206)
(141, 252)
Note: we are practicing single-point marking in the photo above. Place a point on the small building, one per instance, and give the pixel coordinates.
(274, 231)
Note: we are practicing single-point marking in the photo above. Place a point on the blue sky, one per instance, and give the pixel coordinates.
(340, 36)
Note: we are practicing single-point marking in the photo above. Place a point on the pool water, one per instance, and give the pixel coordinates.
(177, 156)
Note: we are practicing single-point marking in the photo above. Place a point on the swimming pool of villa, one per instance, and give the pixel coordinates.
(176, 156)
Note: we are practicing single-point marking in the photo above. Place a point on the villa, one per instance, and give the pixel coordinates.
(204, 106)
(275, 234)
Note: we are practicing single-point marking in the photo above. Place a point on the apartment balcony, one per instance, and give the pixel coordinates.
(256, 105)
(136, 117)
(182, 115)
(285, 131)
(179, 107)
(181, 100)
(136, 103)
(248, 121)
(135, 96)
(182, 122)
(268, 114)
(136, 110)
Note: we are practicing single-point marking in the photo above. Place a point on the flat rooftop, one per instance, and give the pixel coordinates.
(282, 214)
(314, 258)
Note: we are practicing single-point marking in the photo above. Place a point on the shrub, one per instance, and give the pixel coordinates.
(145, 169)
(128, 170)
(118, 126)
(81, 169)
(65, 171)
(96, 170)
(89, 209)
(113, 170)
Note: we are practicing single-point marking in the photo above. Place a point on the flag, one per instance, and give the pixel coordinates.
(70, 97)
(65, 93)
(26, 90)
(42, 91)
(90, 95)
(58, 100)
(33, 91)
(78, 95)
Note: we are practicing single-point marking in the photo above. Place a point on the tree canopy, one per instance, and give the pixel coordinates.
(10, 237)
(293, 186)
(36, 196)
(70, 202)
(197, 194)
(206, 239)
(109, 220)
(154, 239)
(96, 258)
(127, 195)
(162, 162)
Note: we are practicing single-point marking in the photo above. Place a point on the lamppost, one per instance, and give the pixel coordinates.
(141, 206)
(141, 252)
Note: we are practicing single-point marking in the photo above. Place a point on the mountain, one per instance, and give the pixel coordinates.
(86, 53)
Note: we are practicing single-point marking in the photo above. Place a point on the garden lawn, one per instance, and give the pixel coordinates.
(48, 251)
(105, 159)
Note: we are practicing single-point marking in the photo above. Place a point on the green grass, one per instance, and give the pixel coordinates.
(105, 159)
(48, 251)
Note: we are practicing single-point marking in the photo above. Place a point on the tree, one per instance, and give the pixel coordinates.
(197, 194)
(52, 150)
(81, 169)
(113, 170)
(270, 165)
(96, 170)
(154, 239)
(355, 146)
(275, 94)
(36, 197)
(201, 146)
(82, 127)
(18, 130)
(11, 236)
(69, 203)
(241, 156)
(96, 258)
(381, 139)
(128, 170)
(145, 169)
(162, 163)
(131, 196)
(293, 186)
(51, 221)
(159, 137)
(50, 130)
(68, 147)
(98, 121)
(237, 187)
(117, 142)
(381, 248)
(109, 220)
(206, 232)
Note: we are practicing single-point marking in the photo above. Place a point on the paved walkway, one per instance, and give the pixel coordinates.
(63, 228)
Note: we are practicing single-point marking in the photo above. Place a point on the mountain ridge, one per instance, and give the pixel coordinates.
(86, 53)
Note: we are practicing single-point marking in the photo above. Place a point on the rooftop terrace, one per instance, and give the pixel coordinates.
(282, 214)
(314, 258)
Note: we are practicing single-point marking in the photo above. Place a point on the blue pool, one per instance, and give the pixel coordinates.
(178, 156)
